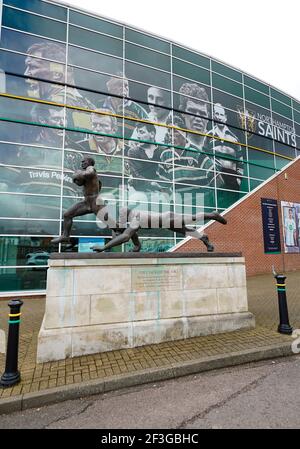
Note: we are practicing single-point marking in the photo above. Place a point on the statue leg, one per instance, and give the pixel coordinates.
(192, 232)
(137, 244)
(122, 238)
(74, 211)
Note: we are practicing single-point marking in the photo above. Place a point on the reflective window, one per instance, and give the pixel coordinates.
(179, 81)
(148, 57)
(147, 75)
(29, 206)
(28, 227)
(250, 82)
(256, 97)
(31, 278)
(280, 96)
(190, 56)
(191, 195)
(25, 43)
(281, 109)
(296, 105)
(190, 71)
(226, 199)
(96, 24)
(28, 134)
(226, 71)
(227, 85)
(27, 156)
(46, 9)
(263, 164)
(94, 61)
(147, 41)
(34, 24)
(30, 180)
(30, 251)
(94, 41)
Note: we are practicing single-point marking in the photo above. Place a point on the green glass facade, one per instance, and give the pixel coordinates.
(172, 129)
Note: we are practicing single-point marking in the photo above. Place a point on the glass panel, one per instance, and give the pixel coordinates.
(29, 206)
(256, 85)
(34, 24)
(190, 56)
(283, 130)
(226, 198)
(226, 71)
(228, 116)
(196, 196)
(297, 117)
(281, 97)
(281, 109)
(148, 57)
(178, 82)
(30, 180)
(256, 97)
(227, 85)
(95, 24)
(147, 41)
(26, 156)
(95, 61)
(89, 80)
(159, 100)
(31, 278)
(32, 66)
(254, 183)
(39, 7)
(296, 105)
(190, 71)
(194, 99)
(30, 251)
(28, 227)
(265, 167)
(16, 40)
(27, 134)
(95, 41)
(146, 75)
(280, 162)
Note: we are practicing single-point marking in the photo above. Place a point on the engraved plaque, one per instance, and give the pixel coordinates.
(156, 278)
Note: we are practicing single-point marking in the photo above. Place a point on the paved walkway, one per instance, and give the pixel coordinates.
(70, 378)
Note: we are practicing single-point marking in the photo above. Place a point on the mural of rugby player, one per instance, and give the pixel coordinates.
(144, 159)
(118, 89)
(225, 143)
(158, 102)
(191, 165)
(47, 70)
(197, 112)
(45, 175)
(108, 149)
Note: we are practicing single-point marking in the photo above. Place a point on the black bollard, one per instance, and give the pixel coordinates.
(11, 376)
(284, 326)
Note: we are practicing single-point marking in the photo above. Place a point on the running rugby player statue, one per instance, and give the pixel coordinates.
(132, 220)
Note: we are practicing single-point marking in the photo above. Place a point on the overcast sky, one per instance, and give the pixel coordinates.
(260, 37)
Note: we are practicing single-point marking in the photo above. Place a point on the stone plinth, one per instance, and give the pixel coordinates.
(103, 302)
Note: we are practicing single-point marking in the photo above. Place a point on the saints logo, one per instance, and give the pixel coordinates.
(247, 121)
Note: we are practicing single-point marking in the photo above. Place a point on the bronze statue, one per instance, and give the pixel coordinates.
(88, 179)
(130, 220)
(168, 220)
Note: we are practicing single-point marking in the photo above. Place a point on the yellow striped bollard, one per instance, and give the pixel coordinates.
(11, 376)
(284, 326)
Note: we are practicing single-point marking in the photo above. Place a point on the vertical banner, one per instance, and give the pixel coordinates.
(291, 226)
(271, 230)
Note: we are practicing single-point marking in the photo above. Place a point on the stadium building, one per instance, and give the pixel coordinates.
(169, 129)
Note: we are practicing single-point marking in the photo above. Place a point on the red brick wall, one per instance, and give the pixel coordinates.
(244, 233)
